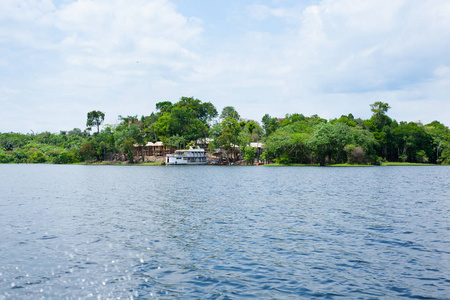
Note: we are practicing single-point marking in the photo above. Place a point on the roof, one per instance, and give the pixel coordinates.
(257, 145)
(204, 141)
(159, 143)
(151, 144)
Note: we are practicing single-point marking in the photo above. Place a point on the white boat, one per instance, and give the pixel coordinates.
(187, 157)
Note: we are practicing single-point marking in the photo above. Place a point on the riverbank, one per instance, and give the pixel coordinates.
(352, 165)
(119, 163)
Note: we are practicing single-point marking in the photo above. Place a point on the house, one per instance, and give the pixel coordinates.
(156, 151)
(152, 149)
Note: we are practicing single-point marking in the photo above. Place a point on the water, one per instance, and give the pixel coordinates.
(210, 232)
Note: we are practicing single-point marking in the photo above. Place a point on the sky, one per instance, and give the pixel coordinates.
(60, 59)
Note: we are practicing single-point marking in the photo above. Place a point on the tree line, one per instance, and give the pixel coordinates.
(293, 139)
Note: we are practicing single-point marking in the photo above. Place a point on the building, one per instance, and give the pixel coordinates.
(156, 149)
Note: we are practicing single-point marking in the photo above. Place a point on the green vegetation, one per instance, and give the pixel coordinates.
(152, 164)
(350, 165)
(293, 140)
(291, 165)
(405, 164)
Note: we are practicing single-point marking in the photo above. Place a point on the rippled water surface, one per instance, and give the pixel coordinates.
(224, 232)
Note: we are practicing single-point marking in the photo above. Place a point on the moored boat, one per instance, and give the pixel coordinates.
(187, 157)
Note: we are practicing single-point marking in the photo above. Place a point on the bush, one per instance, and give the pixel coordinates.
(4, 158)
(376, 160)
(357, 156)
(249, 154)
(52, 153)
(38, 157)
(283, 159)
(20, 156)
(421, 156)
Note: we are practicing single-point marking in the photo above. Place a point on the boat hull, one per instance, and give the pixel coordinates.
(187, 157)
(181, 162)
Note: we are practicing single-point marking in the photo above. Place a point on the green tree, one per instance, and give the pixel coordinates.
(229, 136)
(37, 157)
(164, 106)
(269, 124)
(148, 129)
(128, 149)
(125, 137)
(128, 120)
(188, 119)
(249, 154)
(95, 118)
(413, 142)
(19, 155)
(328, 142)
(286, 146)
(381, 126)
(250, 132)
(104, 144)
(348, 120)
(229, 112)
(290, 142)
(289, 119)
(441, 139)
(176, 141)
(87, 151)
(204, 112)
(379, 108)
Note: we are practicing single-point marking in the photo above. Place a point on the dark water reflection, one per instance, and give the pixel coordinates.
(224, 232)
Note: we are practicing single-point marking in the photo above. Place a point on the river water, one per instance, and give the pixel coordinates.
(212, 232)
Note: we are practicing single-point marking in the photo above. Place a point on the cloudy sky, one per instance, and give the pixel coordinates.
(60, 59)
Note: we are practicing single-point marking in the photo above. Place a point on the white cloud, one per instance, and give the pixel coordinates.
(343, 55)
(104, 34)
(375, 45)
(263, 12)
(328, 57)
(86, 50)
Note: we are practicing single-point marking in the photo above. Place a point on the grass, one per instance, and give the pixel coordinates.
(290, 165)
(351, 165)
(405, 164)
(151, 164)
(120, 163)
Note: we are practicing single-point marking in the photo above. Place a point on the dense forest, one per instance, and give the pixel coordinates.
(292, 139)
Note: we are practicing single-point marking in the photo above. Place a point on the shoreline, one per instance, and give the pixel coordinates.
(110, 163)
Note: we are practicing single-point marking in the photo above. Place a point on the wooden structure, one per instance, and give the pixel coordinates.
(157, 151)
(153, 149)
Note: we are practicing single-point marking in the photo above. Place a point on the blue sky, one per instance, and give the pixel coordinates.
(62, 59)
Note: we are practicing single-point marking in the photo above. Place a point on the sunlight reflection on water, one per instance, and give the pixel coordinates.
(218, 232)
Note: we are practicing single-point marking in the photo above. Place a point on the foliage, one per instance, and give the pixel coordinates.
(250, 131)
(95, 118)
(229, 112)
(87, 151)
(269, 124)
(379, 108)
(188, 119)
(328, 142)
(440, 135)
(229, 136)
(294, 139)
(249, 154)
